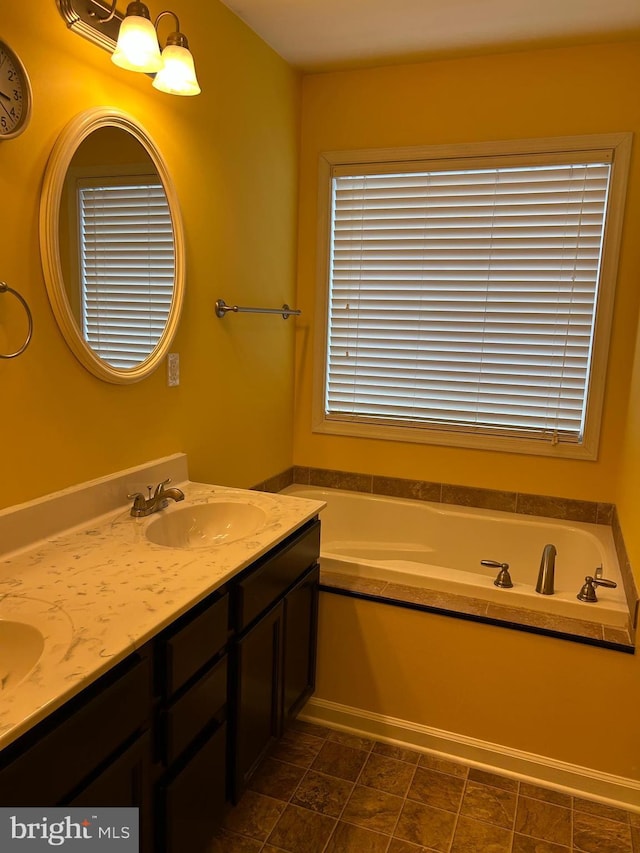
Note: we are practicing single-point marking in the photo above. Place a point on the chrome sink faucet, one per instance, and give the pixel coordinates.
(159, 500)
(546, 574)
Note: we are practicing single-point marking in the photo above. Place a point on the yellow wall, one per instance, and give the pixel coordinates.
(519, 95)
(233, 154)
(570, 702)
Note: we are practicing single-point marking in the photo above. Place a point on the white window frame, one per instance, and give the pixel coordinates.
(537, 151)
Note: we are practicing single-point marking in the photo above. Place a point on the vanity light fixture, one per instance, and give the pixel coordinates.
(178, 74)
(137, 46)
(132, 39)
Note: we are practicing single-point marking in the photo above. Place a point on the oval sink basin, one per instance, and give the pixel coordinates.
(21, 647)
(205, 525)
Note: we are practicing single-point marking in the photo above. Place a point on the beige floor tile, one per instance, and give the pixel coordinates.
(543, 820)
(492, 805)
(229, 842)
(425, 826)
(373, 809)
(276, 779)
(301, 831)
(387, 774)
(321, 793)
(493, 779)
(525, 844)
(397, 752)
(592, 834)
(255, 815)
(547, 795)
(398, 846)
(309, 728)
(472, 836)
(443, 765)
(436, 789)
(298, 748)
(600, 810)
(353, 741)
(355, 839)
(339, 760)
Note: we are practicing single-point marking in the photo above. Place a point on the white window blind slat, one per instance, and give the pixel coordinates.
(126, 267)
(466, 297)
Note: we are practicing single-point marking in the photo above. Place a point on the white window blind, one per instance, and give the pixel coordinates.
(126, 268)
(464, 298)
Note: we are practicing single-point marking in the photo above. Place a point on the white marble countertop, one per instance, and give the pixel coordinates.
(100, 590)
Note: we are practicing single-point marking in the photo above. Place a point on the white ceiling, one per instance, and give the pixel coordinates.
(322, 34)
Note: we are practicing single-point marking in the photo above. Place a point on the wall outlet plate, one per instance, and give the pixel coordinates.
(173, 369)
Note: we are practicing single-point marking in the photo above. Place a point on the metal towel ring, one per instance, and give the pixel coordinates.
(4, 288)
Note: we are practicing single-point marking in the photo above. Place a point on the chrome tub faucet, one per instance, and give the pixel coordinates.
(546, 573)
(159, 500)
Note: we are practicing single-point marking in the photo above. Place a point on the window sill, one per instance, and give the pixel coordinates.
(587, 450)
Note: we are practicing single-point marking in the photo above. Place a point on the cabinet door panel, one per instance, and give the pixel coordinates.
(258, 694)
(301, 631)
(125, 782)
(116, 707)
(194, 800)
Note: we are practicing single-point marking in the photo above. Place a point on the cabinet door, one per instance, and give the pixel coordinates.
(125, 782)
(300, 641)
(258, 695)
(191, 805)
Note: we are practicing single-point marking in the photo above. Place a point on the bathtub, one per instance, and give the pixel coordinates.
(439, 547)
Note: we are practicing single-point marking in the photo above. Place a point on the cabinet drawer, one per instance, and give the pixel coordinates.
(271, 578)
(77, 739)
(194, 644)
(197, 708)
(194, 800)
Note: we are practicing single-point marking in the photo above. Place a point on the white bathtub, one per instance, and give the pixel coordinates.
(439, 547)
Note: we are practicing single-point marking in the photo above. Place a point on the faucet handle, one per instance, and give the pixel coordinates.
(588, 590)
(605, 582)
(139, 502)
(504, 578)
(160, 487)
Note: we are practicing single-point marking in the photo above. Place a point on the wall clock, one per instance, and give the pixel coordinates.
(15, 94)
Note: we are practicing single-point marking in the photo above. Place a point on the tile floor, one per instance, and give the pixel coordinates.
(323, 791)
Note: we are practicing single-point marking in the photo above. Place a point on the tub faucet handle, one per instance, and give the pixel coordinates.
(504, 578)
(588, 589)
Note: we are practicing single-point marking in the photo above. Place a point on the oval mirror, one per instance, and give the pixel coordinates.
(112, 245)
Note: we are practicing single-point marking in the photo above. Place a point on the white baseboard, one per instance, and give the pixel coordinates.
(572, 779)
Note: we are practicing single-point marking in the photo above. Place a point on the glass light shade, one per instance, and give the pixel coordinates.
(178, 74)
(137, 48)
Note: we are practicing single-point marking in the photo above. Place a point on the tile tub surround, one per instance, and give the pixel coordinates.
(327, 791)
(103, 587)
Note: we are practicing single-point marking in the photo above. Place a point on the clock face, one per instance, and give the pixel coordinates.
(15, 94)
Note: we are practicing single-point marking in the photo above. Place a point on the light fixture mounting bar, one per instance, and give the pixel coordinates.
(84, 16)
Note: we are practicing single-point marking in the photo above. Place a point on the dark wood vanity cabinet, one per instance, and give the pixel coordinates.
(192, 685)
(178, 727)
(94, 750)
(274, 653)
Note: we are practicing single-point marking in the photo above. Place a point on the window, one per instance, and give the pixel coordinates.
(126, 266)
(470, 293)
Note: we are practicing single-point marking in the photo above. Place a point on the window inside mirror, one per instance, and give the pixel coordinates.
(118, 265)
